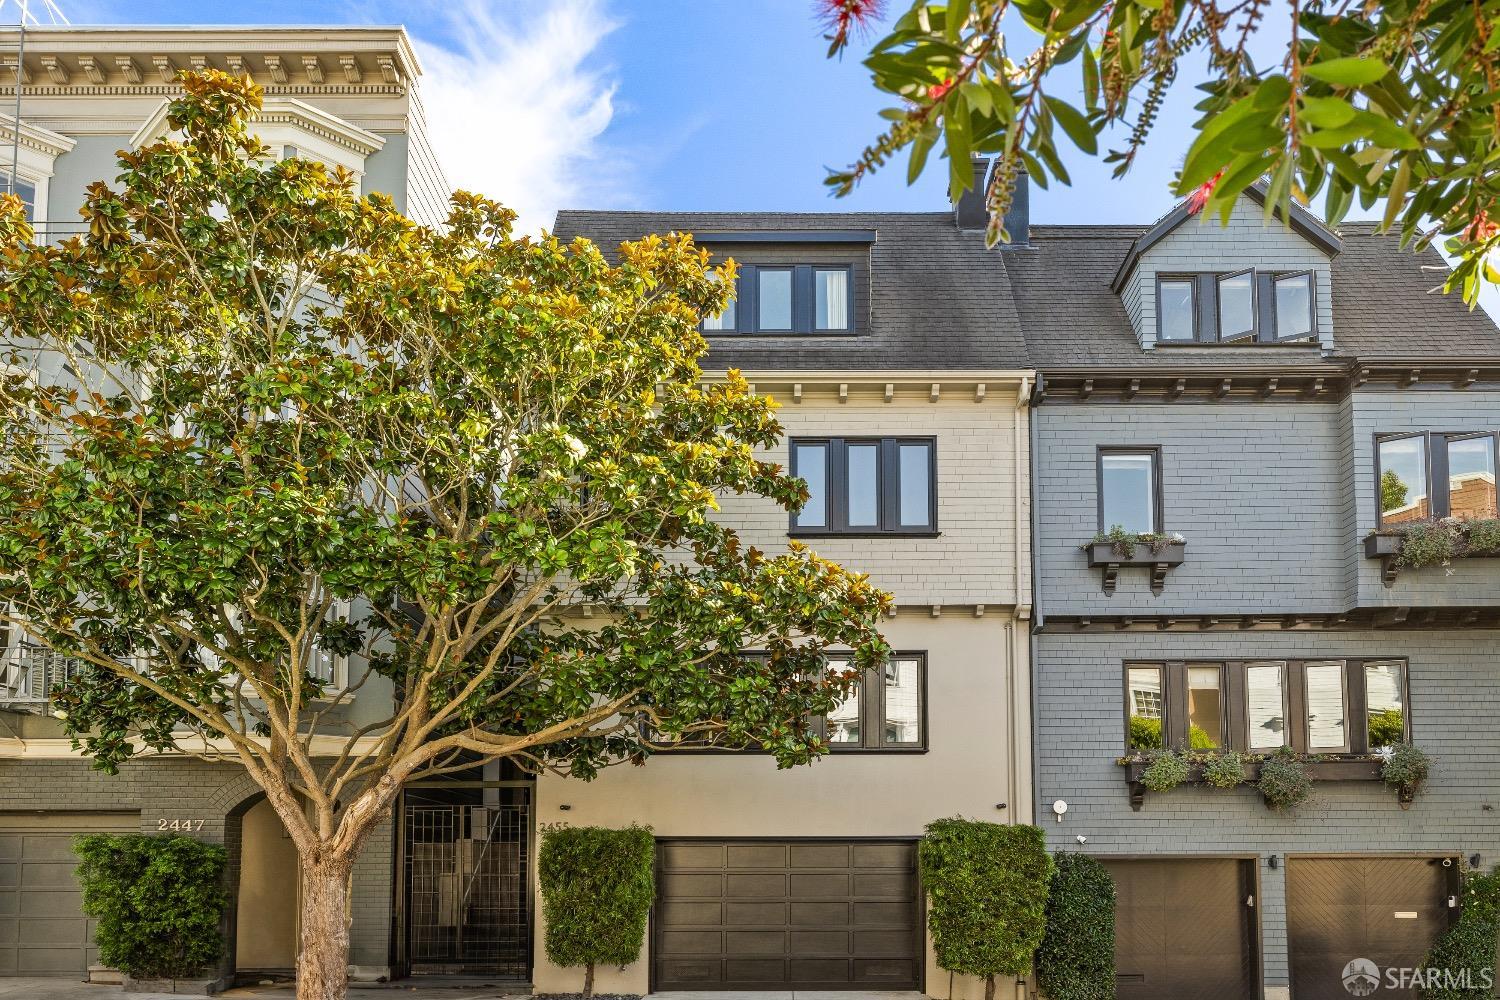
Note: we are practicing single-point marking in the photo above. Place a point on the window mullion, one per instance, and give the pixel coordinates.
(1295, 726)
(889, 486)
(838, 486)
(1265, 308)
(871, 724)
(1175, 726)
(1208, 307)
(1438, 488)
(1356, 707)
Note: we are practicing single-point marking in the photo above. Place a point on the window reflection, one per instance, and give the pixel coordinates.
(775, 299)
(1205, 707)
(843, 721)
(1384, 705)
(812, 467)
(1143, 694)
(1265, 697)
(1175, 298)
(1294, 306)
(902, 703)
(725, 319)
(1471, 477)
(1128, 485)
(916, 484)
(864, 487)
(1403, 480)
(1325, 706)
(1236, 305)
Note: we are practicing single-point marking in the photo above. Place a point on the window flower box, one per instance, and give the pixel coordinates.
(1159, 553)
(1347, 767)
(1432, 543)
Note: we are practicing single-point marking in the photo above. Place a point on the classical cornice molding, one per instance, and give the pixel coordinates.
(935, 385)
(42, 140)
(283, 111)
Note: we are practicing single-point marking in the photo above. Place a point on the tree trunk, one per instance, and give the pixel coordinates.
(588, 981)
(323, 958)
(989, 988)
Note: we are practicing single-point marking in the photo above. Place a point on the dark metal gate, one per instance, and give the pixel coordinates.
(467, 869)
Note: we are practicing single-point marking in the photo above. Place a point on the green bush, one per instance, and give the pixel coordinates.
(159, 902)
(597, 887)
(1076, 960)
(1225, 770)
(1387, 728)
(1145, 734)
(1167, 770)
(1427, 544)
(1406, 768)
(1467, 948)
(1484, 536)
(1284, 780)
(986, 890)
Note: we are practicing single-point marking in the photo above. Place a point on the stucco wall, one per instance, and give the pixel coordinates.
(976, 693)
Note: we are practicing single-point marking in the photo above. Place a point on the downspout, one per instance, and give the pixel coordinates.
(1022, 805)
(1038, 619)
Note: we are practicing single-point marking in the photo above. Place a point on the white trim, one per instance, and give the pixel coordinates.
(17, 748)
(38, 151)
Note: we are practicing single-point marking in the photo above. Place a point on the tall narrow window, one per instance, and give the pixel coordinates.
(843, 722)
(1325, 706)
(1294, 306)
(1143, 706)
(775, 300)
(1176, 309)
(724, 321)
(901, 710)
(915, 458)
(1471, 476)
(864, 484)
(1128, 491)
(830, 299)
(1402, 470)
(1265, 704)
(1236, 305)
(1205, 703)
(1385, 702)
(810, 464)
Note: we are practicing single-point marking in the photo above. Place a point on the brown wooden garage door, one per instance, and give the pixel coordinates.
(1184, 929)
(43, 931)
(1387, 911)
(810, 914)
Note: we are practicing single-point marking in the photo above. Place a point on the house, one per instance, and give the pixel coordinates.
(1274, 402)
(348, 96)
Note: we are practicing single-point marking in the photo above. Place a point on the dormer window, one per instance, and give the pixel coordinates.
(790, 299)
(1265, 307)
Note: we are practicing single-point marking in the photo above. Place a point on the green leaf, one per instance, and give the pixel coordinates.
(1349, 71)
(1326, 112)
(1074, 124)
(920, 147)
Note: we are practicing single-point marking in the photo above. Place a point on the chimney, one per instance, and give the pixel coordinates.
(968, 210)
(970, 214)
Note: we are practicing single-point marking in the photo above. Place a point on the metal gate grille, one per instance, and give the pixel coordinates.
(466, 880)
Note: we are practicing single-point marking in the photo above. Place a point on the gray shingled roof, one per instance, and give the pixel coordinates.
(940, 299)
(1383, 306)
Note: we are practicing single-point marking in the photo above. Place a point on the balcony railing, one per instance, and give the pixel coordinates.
(30, 674)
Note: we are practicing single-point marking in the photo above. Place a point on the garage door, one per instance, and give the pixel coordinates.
(43, 931)
(819, 914)
(1387, 911)
(1184, 929)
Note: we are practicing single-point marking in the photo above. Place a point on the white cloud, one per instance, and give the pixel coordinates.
(517, 110)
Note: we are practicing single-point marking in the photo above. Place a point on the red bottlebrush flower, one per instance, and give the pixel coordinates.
(938, 91)
(1481, 229)
(841, 18)
(1199, 198)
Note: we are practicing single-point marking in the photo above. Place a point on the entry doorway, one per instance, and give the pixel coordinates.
(466, 874)
(267, 904)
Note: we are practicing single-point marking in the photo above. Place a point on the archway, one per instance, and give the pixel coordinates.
(265, 934)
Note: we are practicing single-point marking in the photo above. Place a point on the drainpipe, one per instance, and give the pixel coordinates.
(1022, 793)
(1038, 618)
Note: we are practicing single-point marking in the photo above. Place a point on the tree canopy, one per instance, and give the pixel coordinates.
(1397, 102)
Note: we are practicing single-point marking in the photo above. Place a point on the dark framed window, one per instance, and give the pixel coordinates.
(788, 298)
(866, 486)
(887, 710)
(1426, 475)
(1236, 306)
(1319, 706)
(1129, 489)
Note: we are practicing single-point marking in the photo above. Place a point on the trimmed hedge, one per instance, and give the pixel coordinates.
(1466, 952)
(1076, 960)
(159, 902)
(597, 886)
(986, 887)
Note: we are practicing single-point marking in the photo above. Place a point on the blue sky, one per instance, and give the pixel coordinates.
(662, 104)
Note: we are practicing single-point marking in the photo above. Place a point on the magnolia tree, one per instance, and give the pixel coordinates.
(249, 397)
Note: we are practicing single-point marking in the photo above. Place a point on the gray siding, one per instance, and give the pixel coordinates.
(1454, 702)
(92, 159)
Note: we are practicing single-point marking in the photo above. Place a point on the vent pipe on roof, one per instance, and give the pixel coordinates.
(970, 214)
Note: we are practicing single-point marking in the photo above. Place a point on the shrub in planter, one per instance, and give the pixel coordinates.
(1467, 949)
(1284, 780)
(1387, 728)
(986, 890)
(1404, 769)
(1225, 770)
(158, 902)
(1425, 544)
(1076, 960)
(1484, 537)
(1167, 770)
(597, 886)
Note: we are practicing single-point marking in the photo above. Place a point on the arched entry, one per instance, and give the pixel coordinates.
(265, 935)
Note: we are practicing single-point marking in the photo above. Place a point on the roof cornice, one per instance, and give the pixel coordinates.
(282, 110)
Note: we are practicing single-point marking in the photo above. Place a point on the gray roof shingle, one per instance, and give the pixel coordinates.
(939, 299)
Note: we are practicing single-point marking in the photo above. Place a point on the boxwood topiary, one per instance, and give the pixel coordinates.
(158, 901)
(986, 890)
(1076, 960)
(597, 886)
